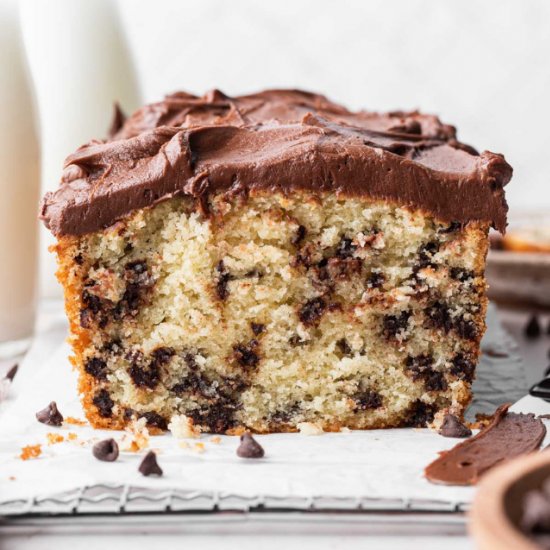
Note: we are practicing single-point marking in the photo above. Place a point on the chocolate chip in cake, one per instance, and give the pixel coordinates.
(345, 248)
(10, 375)
(344, 347)
(375, 280)
(154, 420)
(435, 381)
(453, 427)
(395, 324)
(50, 415)
(439, 316)
(91, 301)
(106, 450)
(299, 236)
(417, 366)
(462, 367)
(368, 399)
(96, 367)
(149, 465)
(312, 311)
(420, 414)
(246, 354)
(532, 329)
(249, 447)
(257, 328)
(149, 376)
(460, 274)
(78, 259)
(295, 340)
(223, 278)
(102, 400)
(451, 228)
(217, 417)
(426, 253)
(465, 329)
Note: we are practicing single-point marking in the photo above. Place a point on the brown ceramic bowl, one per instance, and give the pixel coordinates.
(496, 511)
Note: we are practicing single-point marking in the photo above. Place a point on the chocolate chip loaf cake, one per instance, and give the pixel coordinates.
(262, 261)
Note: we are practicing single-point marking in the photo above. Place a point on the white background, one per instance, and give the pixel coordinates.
(481, 65)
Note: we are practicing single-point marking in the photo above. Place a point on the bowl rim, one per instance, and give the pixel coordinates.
(488, 520)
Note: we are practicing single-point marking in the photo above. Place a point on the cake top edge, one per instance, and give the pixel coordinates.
(284, 141)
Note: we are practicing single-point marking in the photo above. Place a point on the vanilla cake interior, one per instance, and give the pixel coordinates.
(260, 309)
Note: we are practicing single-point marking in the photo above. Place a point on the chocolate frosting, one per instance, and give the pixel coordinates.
(508, 435)
(278, 141)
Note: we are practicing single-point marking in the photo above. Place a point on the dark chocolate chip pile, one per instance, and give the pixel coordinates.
(106, 450)
(50, 415)
(532, 329)
(452, 427)
(149, 465)
(249, 447)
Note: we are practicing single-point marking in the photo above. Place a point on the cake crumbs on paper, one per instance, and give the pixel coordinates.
(345, 430)
(309, 428)
(12, 478)
(54, 438)
(199, 447)
(216, 440)
(31, 451)
(183, 427)
(136, 437)
(71, 436)
(184, 445)
(75, 421)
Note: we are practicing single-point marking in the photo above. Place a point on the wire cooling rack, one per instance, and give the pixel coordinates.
(124, 499)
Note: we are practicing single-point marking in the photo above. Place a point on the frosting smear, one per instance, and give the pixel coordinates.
(508, 435)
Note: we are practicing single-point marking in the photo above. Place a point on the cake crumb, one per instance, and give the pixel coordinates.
(12, 478)
(30, 451)
(54, 438)
(182, 427)
(136, 437)
(199, 447)
(71, 436)
(183, 445)
(75, 421)
(309, 428)
(345, 430)
(216, 440)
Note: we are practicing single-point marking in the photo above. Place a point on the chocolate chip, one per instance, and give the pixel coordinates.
(461, 275)
(149, 465)
(96, 367)
(367, 400)
(435, 381)
(451, 228)
(102, 400)
(246, 355)
(295, 340)
(425, 254)
(439, 316)
(466, 329)
(155, 420)
(257, 328)
(420, 367)
(462, 367)
(375, 280)
(223, 279)
(299, 235)
(344, 348)
(78, 259)
(532, 329)
(50, 415)
(149, 376)
(249, 447)
(394, 324)
(312, 311)
(345, 248)
(218, 418)
(452, 427)
(10, 375)
(420, 414)
(91, 302)
(106, 450)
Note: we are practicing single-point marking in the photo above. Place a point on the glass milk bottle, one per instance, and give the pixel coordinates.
(19, 189)
(81, 65)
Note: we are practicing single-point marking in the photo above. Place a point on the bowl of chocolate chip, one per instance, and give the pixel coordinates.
(512, 507)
